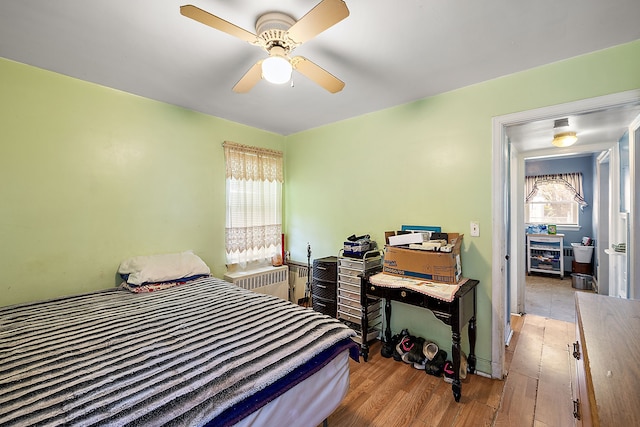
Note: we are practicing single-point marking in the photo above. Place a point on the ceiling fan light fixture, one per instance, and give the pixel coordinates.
(276, 69)
(564, 139)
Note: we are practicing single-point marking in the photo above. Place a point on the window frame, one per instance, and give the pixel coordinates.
(572, 182)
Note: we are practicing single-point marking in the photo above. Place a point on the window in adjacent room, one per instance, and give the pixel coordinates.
(554, 199)
(254, 178)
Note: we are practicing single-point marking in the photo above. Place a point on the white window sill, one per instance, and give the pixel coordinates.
(569, 227)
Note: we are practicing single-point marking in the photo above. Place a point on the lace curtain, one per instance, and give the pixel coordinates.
(254, 178)
(573, 181)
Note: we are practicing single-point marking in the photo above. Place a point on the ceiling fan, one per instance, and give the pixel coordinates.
(279, 34)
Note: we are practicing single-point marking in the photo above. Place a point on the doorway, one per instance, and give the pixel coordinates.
(546, 292)
(508, 269)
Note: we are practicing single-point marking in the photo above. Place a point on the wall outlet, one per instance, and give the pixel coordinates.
(475, 229)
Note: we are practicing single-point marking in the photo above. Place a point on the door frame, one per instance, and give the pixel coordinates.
(499, 280)
(602, 212)
(634, 233)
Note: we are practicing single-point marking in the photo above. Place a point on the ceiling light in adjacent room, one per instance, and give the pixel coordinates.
(276, 69)
(562, 137)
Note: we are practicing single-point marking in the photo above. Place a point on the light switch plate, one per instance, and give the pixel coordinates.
(475, 229)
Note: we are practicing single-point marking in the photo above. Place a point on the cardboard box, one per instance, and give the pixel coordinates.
(444, 267)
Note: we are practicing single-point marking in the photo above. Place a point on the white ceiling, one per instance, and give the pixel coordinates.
(387, 52)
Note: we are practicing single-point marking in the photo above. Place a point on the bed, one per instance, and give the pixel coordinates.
(202, 353)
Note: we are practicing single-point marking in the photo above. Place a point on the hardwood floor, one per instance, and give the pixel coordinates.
(536, 392)
(537, 389)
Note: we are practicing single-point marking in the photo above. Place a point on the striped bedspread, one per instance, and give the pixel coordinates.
(180, 356)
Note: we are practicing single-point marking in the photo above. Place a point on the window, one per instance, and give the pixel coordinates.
(554, 199)
(254, 178)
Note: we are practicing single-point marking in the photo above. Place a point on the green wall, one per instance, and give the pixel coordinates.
(429, 163)
(91, 176)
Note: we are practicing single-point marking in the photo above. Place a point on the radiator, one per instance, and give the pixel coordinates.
(298, 274)
(267, 280)
(568, 251)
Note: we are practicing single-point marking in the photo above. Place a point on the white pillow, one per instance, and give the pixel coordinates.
(162, 268)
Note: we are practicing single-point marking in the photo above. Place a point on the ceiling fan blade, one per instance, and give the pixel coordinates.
(325, 14)
(249, 80)
(316, 73)
(220, 24)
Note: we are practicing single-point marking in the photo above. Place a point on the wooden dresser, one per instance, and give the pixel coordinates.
(607, 352)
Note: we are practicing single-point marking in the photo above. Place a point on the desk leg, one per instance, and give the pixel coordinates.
(387, 315)
(471, 360)
(456, 387)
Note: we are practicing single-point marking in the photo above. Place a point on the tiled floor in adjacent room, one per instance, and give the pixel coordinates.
(550, 296)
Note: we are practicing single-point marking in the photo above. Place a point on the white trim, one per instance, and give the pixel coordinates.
(634, 208)
(499, 124)
(518, 234)
(565, 227)
(498, 293)
(482, 374)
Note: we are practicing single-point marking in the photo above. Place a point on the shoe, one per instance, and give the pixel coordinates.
(420, 365)
(448, 367)
(414, 355)
(429, 349)
(463, 365)
(435, 366)
(405, 345)
(387, 350)
(396, 356)
(395, 340)
(448, 372)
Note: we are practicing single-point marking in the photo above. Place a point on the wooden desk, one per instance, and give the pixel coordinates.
(455, 314)
(607, 353)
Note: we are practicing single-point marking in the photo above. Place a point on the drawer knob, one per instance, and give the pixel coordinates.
(373, 288)
(576, 350)
(403, 294)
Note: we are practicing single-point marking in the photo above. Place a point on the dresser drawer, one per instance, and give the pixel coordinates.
(359, 264)
(347, 306)
(325, 269)
(324, 306)
(324, 289)
(348, 301)
(349, 276)
(349, 287)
